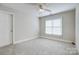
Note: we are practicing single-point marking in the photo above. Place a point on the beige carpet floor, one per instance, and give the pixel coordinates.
(39, 46)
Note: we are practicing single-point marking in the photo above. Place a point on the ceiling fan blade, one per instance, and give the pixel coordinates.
(47, 10)
(41, 7)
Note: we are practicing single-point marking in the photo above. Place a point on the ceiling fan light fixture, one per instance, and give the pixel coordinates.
(41, 10)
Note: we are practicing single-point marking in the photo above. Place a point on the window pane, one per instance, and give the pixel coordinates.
(57, 31)
(48, 23)
(56, 22)
(53, 26)
(48, 30)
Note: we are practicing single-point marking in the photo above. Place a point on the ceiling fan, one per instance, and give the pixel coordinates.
(42, 7)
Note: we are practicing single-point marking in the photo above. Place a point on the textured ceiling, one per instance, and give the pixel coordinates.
(56, 8)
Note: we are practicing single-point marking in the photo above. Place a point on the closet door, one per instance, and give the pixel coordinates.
(5, 29)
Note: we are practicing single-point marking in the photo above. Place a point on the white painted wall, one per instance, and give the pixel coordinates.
(68, 19)
(26, 25)
(77, 27)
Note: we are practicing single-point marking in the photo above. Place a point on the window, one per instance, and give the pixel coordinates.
(53, 26)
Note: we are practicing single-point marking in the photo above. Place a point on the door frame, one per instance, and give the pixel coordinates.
(13, 24)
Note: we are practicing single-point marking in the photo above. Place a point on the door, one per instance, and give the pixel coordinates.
(5, 29)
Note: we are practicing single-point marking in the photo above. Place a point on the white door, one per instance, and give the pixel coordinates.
(5, 29)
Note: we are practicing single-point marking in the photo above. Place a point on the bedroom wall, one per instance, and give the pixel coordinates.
(77, 27)
(68, 26)
(26, 25)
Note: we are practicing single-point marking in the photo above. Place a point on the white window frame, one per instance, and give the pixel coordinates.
(61, 26)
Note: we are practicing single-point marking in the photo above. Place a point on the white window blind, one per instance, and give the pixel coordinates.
(53, 26)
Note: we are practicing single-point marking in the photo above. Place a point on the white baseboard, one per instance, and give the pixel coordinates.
(57, 39)
(20, 41)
